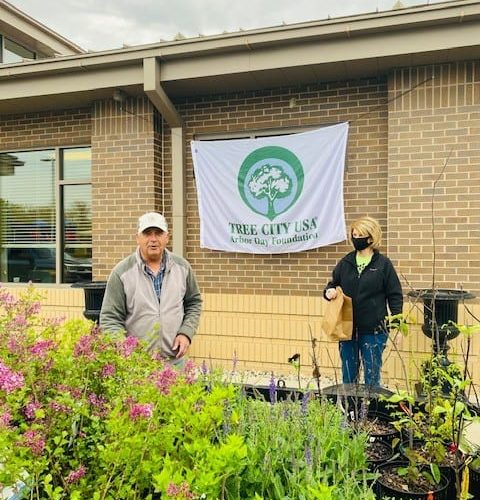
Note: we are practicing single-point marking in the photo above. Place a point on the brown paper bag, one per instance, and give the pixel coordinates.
(337, 321)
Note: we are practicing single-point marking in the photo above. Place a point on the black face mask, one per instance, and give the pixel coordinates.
(360, 243)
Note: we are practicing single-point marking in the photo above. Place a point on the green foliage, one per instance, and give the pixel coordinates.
(299, 451)
(84, 416)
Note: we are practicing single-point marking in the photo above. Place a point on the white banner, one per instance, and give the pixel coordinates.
(273, 194)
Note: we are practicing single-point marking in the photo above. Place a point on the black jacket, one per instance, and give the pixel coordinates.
(377, 286)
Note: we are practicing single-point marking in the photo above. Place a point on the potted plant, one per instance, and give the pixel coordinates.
(431, 429)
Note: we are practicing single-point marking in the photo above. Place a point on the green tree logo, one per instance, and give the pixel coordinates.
(270, 180)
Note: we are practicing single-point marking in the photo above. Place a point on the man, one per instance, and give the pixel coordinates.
(153, 294)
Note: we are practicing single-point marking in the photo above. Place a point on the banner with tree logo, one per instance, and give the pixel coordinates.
(273, 194)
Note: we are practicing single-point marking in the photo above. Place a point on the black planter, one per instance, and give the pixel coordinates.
(280, 393)
(353, 397)
(444, 303)
(474, 488)
(446, 470)
(378, 452)
(94, 293)
(382, 427)
(438, 492)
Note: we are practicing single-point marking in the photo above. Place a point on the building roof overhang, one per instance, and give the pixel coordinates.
(26, 31)
(317, 51)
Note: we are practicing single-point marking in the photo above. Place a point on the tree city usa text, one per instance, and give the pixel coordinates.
(279, 233)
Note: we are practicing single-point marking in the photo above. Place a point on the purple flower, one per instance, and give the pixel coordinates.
(76, 475)
(40, 348)
(33, 309)
(308, 455)
(59, 407)
(95, 400)
(30, 409)
(7, 300)
(204, 368)
(272, 389)
(10, 380)
(305, 400)
(189, 371)
(182, 491)
(5, 419)
(34, 440)
(75, 392)
(165, 379)
(84, 347)
(108, 370)
(128, 346)
(139, 410)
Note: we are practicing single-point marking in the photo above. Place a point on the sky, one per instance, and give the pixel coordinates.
(108, 24)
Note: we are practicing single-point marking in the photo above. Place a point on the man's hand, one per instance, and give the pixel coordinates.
(182, 343)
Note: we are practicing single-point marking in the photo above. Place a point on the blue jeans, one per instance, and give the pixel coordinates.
(368, 349)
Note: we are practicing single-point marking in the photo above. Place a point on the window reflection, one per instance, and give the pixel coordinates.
(29, 236)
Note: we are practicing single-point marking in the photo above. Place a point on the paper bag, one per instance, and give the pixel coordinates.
(337, 321)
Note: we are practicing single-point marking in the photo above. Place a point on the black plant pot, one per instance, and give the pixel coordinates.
(382, 490)
(378, 425)
(440, 312)
(446, 470)
(280, 393)
(353, 397)
(94, 293)
(378, 452)
(474, 488)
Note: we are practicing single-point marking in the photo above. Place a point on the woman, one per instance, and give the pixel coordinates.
(370, 279)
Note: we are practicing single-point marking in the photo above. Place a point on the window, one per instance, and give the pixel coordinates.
(46, 216)
(12, 52)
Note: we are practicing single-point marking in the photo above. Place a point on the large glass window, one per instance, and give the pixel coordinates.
(46, 216)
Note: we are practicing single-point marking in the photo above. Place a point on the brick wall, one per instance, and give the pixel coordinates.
(398, 142)
(364, 104)
(45, 130)
(434, 137)
(125, 177)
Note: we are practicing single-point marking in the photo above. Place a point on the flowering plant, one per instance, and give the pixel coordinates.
(87, 415)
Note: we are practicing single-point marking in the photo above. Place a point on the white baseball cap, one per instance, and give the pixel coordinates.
(152, 219)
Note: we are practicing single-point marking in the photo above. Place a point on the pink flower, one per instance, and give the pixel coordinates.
(84, 347)
(59, 407)
(108, 370)
(128, 346)
(182, 491)
(189, 370)
(30, 409)
(5, 419)
(75, 392)
(138, 411)
(33, 308)
(33, 440)
(19, 322)
(76, 475)
(10, 380)
(40, 348)
(7, 300)
(165, 379)
(95, 400)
